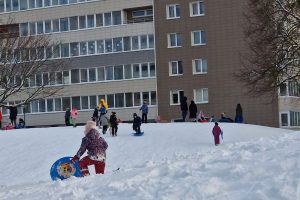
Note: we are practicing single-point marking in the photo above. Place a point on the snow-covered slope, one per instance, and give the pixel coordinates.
(171, 161)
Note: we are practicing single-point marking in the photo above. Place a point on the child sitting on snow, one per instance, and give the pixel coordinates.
(95, 146)
(9, 126)
(137, 121)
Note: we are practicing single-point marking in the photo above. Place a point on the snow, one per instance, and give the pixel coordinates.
(171, 161)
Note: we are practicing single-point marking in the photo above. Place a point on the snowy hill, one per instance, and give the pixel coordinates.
(171, 161)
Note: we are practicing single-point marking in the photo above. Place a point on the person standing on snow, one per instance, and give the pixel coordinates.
(136, 126)
(144, 110)
(74, 115)
(114, 124)
(104, 122)
(184, 108)
(239, 114)
(217, 132)
(13, 113)
(67, 117)
(96, 147)
(193, 111)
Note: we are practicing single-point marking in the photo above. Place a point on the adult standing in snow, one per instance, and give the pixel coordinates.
(113, 124)
(74, 116)
(144, 109)
(13, 113)
(193, 111)
(95, 115)
(184, 108)
(217, 132)
(96, 147)
(239, 114)
(67, 117)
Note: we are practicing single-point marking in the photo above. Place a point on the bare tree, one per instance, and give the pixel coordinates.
(272, 30)
(23, 63)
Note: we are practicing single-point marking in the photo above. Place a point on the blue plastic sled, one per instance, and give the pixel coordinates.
(138, 134)
(63, 168)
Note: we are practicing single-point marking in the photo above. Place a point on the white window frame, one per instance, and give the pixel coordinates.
(169, 40)
(170, 68)
(202, 96)
(198, 7)
(193, 38)
(171, 96)
(194, 66)
(288, 117)
(173, 6)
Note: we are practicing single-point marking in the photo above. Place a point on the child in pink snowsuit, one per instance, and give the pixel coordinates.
(217, 132)
(74, 115)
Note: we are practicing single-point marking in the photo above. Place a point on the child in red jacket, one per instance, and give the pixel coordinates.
(217, 132)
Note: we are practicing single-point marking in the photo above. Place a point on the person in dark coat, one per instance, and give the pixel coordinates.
(113, 123)
(193, 111)
(136, 123)
(217, 132)
(239, 114)
(67, 117)
(13, 113)
(96, 150)
(95, 115)
(184, 108)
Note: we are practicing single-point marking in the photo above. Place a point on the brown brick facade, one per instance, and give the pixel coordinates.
(222, 22)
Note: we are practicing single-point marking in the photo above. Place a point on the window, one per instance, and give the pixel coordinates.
(82, 22)
(136, 70)
(84, 102)
(74, 23)
(99, 20)
(199, 66)
(117, 44)
(32, 28)
(31, 4)
(54, 2)
(135, 42)
(118, 72)
(176, 96)
(24, 29)
(23, 5)
(107, 19)
(35, 106)
(111, 100)
(119, 100)
(56, 51)
(65, 50)
(93, 102)
(83, 75)
(76, 103)
(90, 21)
(294, 88)
(92, 74)
(153, 98)
(40, 27)
(128, 71)
(127, 43)
(100, 74)
(108, 45)
(83, 48)
(58, 105)
(129, 99)
(294, 118)
(59, 78)
(137, 98)
(173, 11)
(15, 5)
(176, 68)
(50, 106)
(39, 3)
(91, 47)
(64, 24)
(66, 103)
(55, 24)
(284, 119)
(116, 17)
(198, 38)
(109, 73)
(38, 79)
(66, 77)
(144, 40)
(100, 46)
(197, 8)
(142, 13)
(45, 78)
(201, 95)
(174, 40)
(152, 69)
(42, 105)
(72, 1)
(74, 50)
(63, 2)
(145, 97)
(145, 72)
(151, 41)
(47, 3)
(2, 5)
(75, 76)
(48, 28)
(52, 78)
(283, 90)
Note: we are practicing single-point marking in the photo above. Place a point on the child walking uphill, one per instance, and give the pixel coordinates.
(95, 146)
(113, 123)
(217, 132)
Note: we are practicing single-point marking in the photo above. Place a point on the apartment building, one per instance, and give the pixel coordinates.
(110, 45)
(198, 49)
